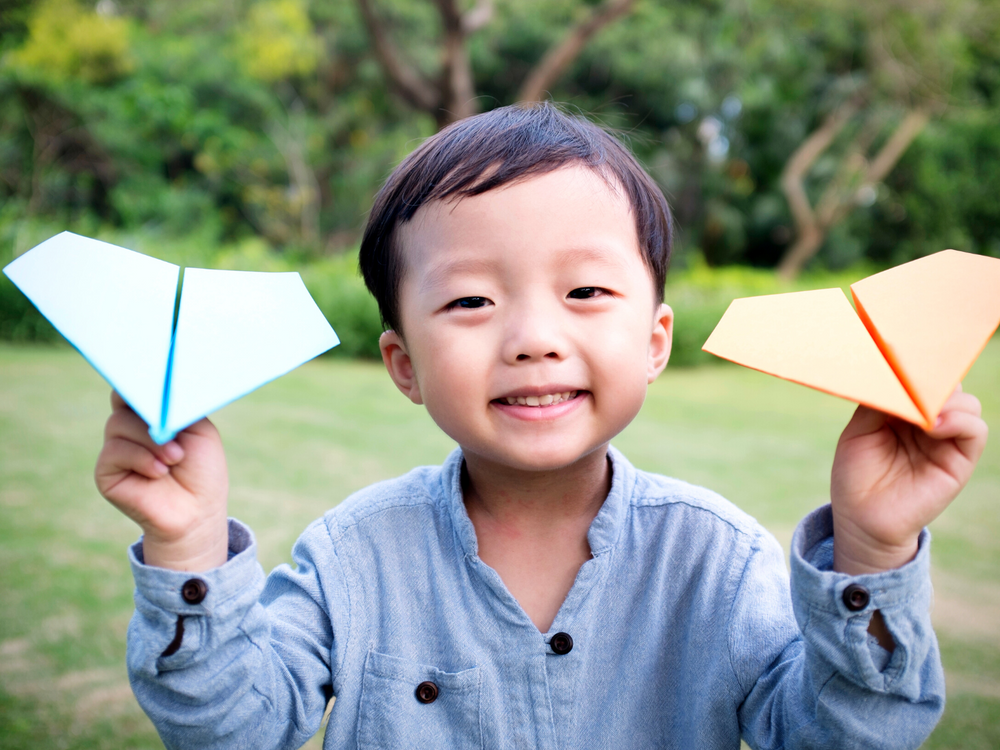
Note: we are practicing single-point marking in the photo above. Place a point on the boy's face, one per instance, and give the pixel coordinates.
(534, 293)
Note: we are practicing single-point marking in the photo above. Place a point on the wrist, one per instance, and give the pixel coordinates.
(856, 552)
(201, 549)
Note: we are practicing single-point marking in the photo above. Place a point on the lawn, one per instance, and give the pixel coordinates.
(303, 443)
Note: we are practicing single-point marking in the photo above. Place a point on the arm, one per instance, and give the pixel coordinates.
(813, 677)
(210, 664)
(248, 665)
(890, 479)
(860, 577)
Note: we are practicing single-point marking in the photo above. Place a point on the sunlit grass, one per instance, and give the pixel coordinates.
(303, 443)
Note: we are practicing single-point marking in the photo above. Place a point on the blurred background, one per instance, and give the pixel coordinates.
(801, 144)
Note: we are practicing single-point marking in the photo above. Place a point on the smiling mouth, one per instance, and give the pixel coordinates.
(549, 399)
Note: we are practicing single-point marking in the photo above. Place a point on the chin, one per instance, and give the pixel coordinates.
(538, 458)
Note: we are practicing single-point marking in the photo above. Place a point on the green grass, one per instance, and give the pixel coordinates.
(301, 444)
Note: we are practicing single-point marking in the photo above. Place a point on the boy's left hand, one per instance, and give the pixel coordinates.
(890, 479)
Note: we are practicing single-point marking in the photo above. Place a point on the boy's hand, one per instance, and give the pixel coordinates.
(176, 492)
(890, 479)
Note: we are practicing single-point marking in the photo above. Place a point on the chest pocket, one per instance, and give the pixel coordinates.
(409, 705)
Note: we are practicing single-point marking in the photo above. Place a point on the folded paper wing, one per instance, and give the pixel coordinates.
(931, 318)
(114, 305)
(815, 339)
(918, 329)
(235, 330)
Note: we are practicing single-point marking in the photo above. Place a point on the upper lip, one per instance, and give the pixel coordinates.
(541, 390)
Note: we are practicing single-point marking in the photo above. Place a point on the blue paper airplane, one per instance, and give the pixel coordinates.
(233, 332)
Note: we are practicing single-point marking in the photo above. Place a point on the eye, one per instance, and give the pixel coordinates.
(469, 303)
(585, 292)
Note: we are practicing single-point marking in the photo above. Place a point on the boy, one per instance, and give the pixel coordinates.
(536, 590)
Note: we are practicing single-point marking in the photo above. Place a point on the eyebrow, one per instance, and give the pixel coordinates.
(591, 254)
(439, 275)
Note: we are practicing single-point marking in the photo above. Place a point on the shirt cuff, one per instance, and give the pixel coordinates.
(203, 593)
(833, 610)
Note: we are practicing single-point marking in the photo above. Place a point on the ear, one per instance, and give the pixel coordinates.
(659, 342)
(398, 363)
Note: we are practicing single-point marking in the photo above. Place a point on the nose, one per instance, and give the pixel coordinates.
(534, 334)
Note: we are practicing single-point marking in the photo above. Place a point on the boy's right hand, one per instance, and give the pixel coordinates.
(176, 492)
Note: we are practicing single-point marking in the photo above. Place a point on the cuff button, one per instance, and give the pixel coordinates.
(427, 692)
(856, 597)
(194, 590)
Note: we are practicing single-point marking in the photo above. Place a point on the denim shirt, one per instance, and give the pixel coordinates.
(683, 633)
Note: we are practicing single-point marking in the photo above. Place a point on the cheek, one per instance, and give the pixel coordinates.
(449, 370)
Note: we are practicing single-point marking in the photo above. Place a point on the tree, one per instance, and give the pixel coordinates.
(449, 94)
(912, 51)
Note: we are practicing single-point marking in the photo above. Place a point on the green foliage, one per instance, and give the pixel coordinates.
(276, 42)
(698, 294)
(944, 192)
(67, 42)
(217, 123)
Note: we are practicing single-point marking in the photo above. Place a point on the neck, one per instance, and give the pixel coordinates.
(537, 501)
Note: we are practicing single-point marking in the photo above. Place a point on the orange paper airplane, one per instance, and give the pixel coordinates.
(916, 332)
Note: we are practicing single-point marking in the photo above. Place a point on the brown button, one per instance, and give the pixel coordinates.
(856, 597)
(427, 692)
(194, 590)
(561, 643)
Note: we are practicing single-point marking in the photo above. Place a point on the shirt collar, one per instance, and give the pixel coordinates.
(604, 530)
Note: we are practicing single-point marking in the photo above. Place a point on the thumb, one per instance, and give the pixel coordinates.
(864, 422)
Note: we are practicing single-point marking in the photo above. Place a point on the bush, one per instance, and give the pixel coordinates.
(335, 283)
(699, 295)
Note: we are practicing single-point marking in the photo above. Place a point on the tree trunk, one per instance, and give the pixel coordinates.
(555, 62)
(812, 225)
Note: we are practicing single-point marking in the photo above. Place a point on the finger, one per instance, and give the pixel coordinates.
(117, 402)
(202, 429)
(121, 457)
(963, 402)
(125, 423)
(966, 428)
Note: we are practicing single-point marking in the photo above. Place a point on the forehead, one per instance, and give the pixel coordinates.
(569, 212)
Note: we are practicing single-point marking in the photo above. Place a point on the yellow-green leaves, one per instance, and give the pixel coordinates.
(68, 41)
(276, 41)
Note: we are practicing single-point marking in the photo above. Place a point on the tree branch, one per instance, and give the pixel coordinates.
(555, 62)
(836, 203)
(412, 86)
(458, 88)
(809, 236)
(896, 146)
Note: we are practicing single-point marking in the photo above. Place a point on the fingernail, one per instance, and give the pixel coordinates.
(173, 451)
(159, 467)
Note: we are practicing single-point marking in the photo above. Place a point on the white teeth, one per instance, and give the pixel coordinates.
(547, 400)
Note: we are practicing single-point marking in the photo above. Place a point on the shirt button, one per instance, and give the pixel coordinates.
(427, 692)
(856, 597)
(194, 590)
(561, 643)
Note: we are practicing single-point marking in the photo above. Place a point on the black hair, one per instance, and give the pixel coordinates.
(480, 153)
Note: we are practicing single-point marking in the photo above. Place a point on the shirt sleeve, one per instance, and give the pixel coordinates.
(222, 658)
(831, 685)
